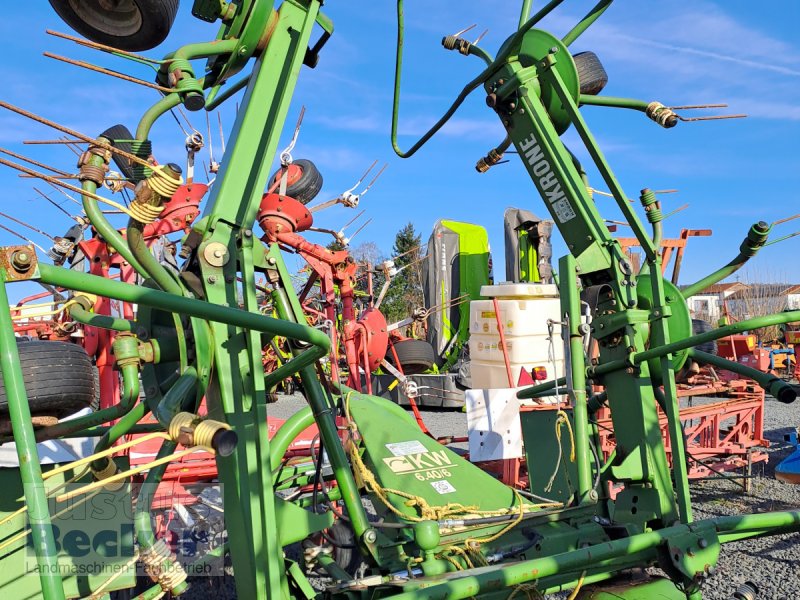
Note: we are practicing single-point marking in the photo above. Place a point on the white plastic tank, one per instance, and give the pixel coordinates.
(524, 311)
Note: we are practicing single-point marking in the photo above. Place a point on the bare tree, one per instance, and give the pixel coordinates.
(761, 297)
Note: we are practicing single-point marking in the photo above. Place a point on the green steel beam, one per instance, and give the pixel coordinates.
(30, 470)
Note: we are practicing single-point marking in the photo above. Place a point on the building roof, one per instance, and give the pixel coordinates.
(768, 290)
(719, 288)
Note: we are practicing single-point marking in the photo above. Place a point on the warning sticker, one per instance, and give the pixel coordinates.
(443, 486)
(405, 448)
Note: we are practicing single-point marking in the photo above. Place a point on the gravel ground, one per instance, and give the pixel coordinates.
(772, 563)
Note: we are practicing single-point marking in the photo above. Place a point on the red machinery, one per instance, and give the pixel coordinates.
(365, 337)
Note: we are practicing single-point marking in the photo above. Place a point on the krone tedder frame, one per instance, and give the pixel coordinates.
(444, 529)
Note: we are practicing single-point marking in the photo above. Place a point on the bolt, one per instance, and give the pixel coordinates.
(554, 49)
(271, 260)
(243, 51)
(212, 279)
(248, 233)
(218, 253)
(21, 260)
(491, 100)
(370, 536)
(702, 542)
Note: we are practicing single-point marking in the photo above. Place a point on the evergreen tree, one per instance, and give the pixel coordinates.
(405, 290)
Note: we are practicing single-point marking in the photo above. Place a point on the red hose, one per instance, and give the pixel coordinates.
(503, 342)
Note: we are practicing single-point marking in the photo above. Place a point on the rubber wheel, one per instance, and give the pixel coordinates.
(115, 135)
(346, 556)
(304, 180)
(700, 326)
(591, 74)
(132, 25)
(59, 378)
(415, 356)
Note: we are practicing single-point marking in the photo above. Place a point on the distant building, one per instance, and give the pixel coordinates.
(764, 298)
(744, 301)
(707, 305)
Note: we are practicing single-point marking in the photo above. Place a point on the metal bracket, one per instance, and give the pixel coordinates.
(19, 262)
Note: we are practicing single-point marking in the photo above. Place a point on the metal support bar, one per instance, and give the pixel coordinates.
(571, 309)
(29, 468)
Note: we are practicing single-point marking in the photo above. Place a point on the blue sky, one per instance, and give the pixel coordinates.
(731, 173)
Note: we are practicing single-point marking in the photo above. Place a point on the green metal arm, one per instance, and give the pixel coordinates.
(695, 340)
(641, 547)
(771, 384)
(755, 240)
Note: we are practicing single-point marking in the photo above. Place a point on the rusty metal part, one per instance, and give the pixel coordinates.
(52, 180)
(35, 162)
(19, 262)
(104, 47)
(84, 138)
(31, 227)
(110, 72)
(272, 22)
(38, 421)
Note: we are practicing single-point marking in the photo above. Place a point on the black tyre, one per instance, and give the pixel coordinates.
(415, 356)
(119, 136)
(699, 326)
(345, 551)
(304, 180)
(59, 378)
(132, 25)
(591, 74)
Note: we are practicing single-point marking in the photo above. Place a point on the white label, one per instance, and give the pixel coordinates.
(443, 486)
(406, 448)
(563, 210)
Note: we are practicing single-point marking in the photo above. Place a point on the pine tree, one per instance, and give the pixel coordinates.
(405, 290)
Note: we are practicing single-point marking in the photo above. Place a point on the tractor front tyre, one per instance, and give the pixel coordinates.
(59, 378)
(131, 25)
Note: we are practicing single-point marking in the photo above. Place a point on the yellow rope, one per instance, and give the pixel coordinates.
(577, 589)
(45, 313)
(49, 493)
(561, 419)
(477, 542)
(104, 453)
(125, 474)
(98, 591)
(24, 533)
(529, 589)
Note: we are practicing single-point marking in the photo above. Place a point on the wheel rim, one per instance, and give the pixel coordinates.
(113, 17)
